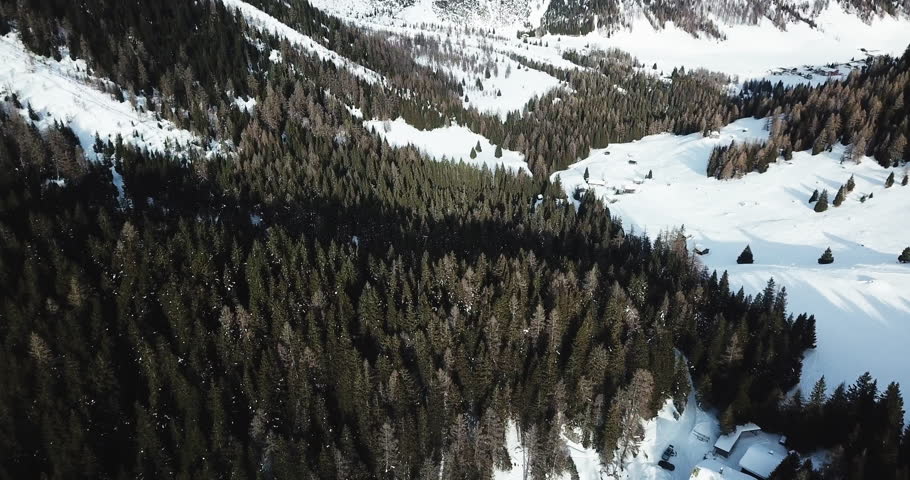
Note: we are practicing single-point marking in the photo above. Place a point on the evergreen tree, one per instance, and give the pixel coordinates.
(818, 396)
(498, 153)
(906, 180)
(839, 198)
(889, 182)
(851, 184)
(650, 174)
(745, 257)
(814, 197)
(822, 204)
(904, 256)
(586, 175)
(826, 257)
(897, 149)
(477, 147)
(473, 153)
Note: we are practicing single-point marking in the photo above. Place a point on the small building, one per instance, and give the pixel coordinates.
(725, 444)
(762, 458)
(710, 469)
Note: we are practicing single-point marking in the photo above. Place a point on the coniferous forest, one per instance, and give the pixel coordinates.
(313, 303)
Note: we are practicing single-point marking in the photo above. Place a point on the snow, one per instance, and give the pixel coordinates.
(861, 302)
(267, 23)
(516, 455)
(275, 57)
(453, 142)
(63, 91)
(354, 111)
(753, 51)
(586, 460)
(247, 105)
(762, 458)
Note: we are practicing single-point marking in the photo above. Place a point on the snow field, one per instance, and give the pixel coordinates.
(452, 143)
(861, 301)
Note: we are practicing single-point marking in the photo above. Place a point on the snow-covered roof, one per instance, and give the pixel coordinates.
(762, 458)
(726, 442)
(710, 469)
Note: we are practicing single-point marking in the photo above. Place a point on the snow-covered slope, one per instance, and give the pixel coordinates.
(861, 302)
(493, 82)
(453, 143)
(64, 92)
(509, 15)
(748, 50)
(267, 23)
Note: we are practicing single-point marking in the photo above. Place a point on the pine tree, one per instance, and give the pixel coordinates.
(827, 257)
(498, 153)
(586, 175)
(814, 197)
(822, 204)
(851, 184)
(650, 174)
(839, 198)
(727, 421)
(904, 256)
(818, 396)
(905, 180)
(896, 150)
(477, 147)
(889, 182)
(473, 153)
(746, 256)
